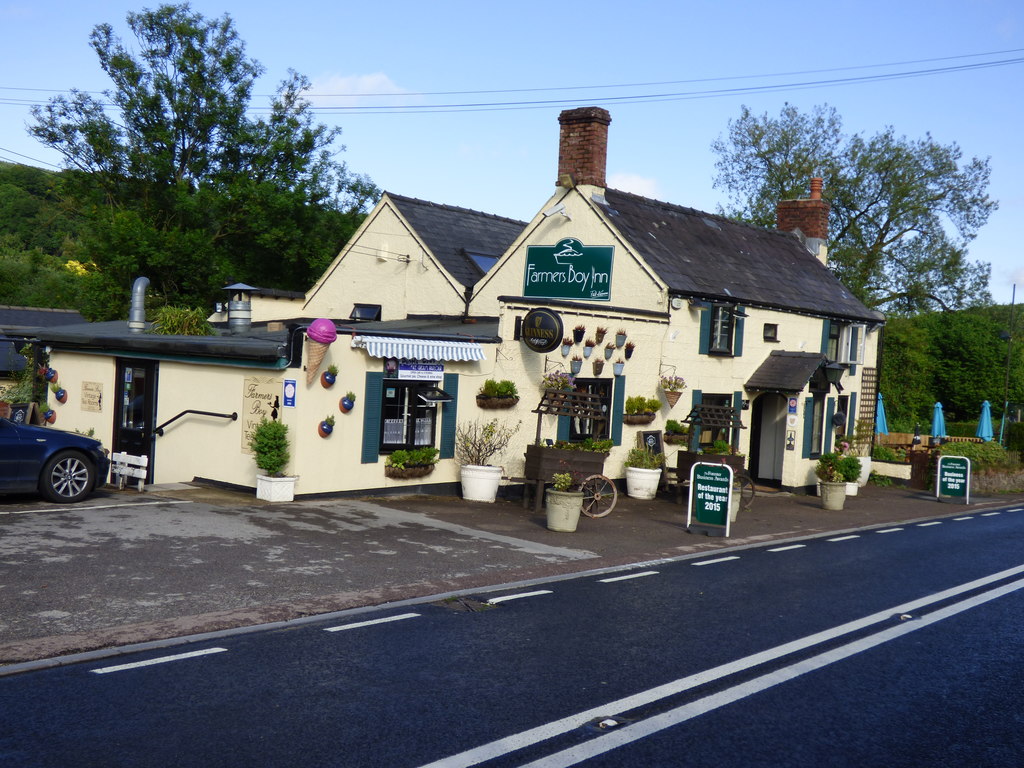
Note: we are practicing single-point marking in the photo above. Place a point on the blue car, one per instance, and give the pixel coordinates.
(62, 466)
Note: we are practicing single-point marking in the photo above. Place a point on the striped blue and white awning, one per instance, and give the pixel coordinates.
(418, 349)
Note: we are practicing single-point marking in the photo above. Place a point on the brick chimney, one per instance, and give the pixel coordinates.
(809, 217)
(583, 146)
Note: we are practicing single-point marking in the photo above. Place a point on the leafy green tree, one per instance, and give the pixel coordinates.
(902, 211)
(176, 181)
(32, 278)
(30, 210)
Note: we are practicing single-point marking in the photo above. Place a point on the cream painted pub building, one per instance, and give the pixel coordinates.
(429, 301)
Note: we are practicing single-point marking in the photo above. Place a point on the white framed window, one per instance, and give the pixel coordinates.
(721, 330)
(851, 344)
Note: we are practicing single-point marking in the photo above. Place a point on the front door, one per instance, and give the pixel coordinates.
(768, 437)
(136, 409)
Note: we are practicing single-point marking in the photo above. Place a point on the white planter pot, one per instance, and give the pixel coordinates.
(275, 488)
(833, 495)
(865, 470)
(563, 510)
(852, 488)
(480, 482)
(642, 483)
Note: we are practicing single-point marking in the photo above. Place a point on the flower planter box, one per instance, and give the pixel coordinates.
(637, 418)
(543, 461)
(484, 401)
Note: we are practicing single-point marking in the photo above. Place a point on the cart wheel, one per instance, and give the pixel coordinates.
(744, 486)
(599, 496)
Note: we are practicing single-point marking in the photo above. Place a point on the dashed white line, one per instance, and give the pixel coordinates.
(786, 549)
(844, 538)
(386, 620)
(990, 514)
(968, 517)
(933, 522)
(517, 596)
(889, 530)
(717, 560)
(161, 660)
(628, 576)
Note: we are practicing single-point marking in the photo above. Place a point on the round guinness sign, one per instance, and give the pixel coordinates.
(541, 330)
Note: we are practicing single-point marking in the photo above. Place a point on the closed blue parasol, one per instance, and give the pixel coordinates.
(984, 430)
(938, 422)
(881, 425)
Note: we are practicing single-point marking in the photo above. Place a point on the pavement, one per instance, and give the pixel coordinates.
(125, 569)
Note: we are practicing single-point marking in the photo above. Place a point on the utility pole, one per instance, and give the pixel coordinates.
(1006, 385)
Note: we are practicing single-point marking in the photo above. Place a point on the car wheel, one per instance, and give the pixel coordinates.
(67, 477)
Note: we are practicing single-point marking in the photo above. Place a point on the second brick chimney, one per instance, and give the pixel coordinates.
(808, 216)
(583, 146)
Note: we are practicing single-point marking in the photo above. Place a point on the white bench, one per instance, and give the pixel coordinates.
(124, 465)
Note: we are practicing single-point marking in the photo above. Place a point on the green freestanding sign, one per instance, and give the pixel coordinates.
(953, 477)
(569, 270)
(710, 498)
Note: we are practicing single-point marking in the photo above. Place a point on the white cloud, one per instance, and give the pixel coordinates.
(631, 182)
(375, 90)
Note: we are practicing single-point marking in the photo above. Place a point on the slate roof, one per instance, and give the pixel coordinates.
(14, 318)
(785, 372)
(452, 234)
(706, 256)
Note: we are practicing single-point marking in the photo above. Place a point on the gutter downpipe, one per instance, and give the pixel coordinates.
(137, 314)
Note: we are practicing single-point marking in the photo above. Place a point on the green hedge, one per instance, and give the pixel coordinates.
(1015, 436)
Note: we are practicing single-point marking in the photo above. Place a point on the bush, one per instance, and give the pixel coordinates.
(885, 453)
(849, 468)
(675, 427)
(269, 444)
(1015, 436)
(828, 468)
(503, 388)
(990, 455)
(415, 457)
(642, 458)
(588, 444)
(476, 443)
(641, 404)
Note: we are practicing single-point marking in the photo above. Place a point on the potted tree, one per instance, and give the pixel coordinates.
(643, 473)
(475, 445)
(562, 503)
(832, 483)
(269, 444)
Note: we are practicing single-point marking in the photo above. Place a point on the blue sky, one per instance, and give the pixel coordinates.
(503, 160)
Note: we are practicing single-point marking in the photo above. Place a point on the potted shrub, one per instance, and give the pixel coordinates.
(849, 466)
(640, 409)
(609, 350)
(269, 445)
(588, 347)
(416, 462)
(575, 364)
(348, 402)
(643, 473)
(599, 334)
(325, 427)
(675, 432)
(562, 503)
(618, 366)
(475, 445)
(497, 394)
(598, 367)
(630, 346)
(620, 337)
(566, 346)
(832, 483)
(328, 377)
(577, 333)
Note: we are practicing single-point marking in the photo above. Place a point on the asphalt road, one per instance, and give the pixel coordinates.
(894, 646)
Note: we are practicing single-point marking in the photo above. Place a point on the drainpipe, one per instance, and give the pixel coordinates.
(137, 314)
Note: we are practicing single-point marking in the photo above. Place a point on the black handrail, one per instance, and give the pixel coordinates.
(160, 430)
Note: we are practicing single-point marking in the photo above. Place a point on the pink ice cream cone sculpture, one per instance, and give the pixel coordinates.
(320, 335)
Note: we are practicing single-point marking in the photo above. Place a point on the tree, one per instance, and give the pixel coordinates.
(174, 179)
(902, 211)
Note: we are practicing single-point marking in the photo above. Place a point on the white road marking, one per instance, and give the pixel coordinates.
(628, 576)
(717, 560)
(161, 660)
(786, 549)
(889, 530)
(933, 522)
(503, 598)
(990, 514)
(958, 519)
(844, 538)
(515, 742)
(644, 728)
(357, 624)
(87, 507)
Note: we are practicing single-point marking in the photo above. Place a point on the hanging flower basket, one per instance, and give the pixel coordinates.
(495, 403)
(409, 472)
(637, 418)
(672, 397)
(598, 367)
(577, 334)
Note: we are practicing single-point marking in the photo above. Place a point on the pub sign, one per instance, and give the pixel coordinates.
(569, 270)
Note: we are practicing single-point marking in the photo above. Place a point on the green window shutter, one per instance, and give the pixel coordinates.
(826, 328)
(562, 432)
(449, 411)
(737, 404)
(808, 425)
(854, 344)
(737, 342)
(697, 399)
(704, 345)
(618, 404)
(372, 395)
(829, 431)
(851, 417)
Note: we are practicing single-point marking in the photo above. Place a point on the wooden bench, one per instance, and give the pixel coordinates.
(124, 465)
